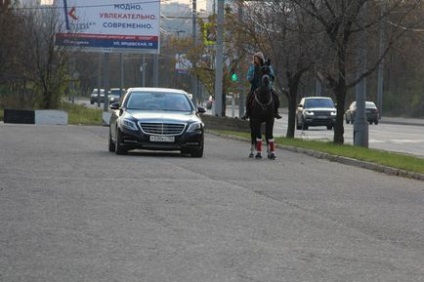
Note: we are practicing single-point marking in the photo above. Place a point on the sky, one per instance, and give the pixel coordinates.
(201, 4)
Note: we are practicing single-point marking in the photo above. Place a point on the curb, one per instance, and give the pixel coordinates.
(339, 159)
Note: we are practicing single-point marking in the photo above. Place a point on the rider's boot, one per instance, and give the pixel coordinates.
(277, 115)
(246, 114)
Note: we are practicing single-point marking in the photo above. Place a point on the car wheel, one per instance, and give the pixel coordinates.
(304, 126)
(197, 153)
(376, 122)
(111, 143)
(119, 149)
(298, 126)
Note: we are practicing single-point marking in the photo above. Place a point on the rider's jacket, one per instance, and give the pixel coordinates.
(253, 76)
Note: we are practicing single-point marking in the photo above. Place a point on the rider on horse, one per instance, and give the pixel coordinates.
(253, 76)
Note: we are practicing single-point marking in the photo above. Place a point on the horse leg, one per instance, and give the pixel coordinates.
(252, 149)
(270, 140)
(252, 140)
(258, 140)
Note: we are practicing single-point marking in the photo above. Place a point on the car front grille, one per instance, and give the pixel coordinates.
(169, 129)
(322, 113)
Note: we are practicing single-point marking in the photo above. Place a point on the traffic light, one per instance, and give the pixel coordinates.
(234, 77)
(209, 33)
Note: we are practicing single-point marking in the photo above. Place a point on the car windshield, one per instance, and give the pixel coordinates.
(158, 101)
(96, 91)
(370, 105)
(116, 92)
(319, 103)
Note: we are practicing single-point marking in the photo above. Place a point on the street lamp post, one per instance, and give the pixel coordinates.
(360, 126)
(193, 78)
(143, 71)
(219, 72)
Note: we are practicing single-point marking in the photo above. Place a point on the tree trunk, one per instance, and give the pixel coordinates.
(340, 93)
(339, 127)
(292, 99)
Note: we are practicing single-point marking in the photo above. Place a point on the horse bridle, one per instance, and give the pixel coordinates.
(263, 106)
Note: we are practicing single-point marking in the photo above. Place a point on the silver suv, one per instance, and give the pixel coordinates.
(315, 111)
(96, 97)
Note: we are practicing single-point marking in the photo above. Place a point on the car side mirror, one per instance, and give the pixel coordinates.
(114, 106)
(201, 109)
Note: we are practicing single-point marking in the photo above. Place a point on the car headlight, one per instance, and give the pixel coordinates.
(309, 113)
(333, 114)
(197, 126)
(129, 124)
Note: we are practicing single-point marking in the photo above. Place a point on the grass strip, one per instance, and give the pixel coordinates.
(81, 115)
(391, 159)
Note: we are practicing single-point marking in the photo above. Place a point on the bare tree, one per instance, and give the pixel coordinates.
(9, 39)
(282, 31)
(326, 36)
(44, 64)
(343, 24)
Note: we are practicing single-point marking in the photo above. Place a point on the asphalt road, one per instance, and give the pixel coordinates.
(72, 211)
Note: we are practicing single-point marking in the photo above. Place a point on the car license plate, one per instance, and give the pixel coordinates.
(169, 139)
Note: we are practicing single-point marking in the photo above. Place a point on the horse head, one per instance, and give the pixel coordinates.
(265, 72)
(263, 93)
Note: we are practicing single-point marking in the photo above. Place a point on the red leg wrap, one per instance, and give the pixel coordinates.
(259, 145)
(271, 146)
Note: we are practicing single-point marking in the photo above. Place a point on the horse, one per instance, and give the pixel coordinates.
(262, 112)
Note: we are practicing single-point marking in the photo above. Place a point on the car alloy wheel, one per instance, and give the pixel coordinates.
(298, 126)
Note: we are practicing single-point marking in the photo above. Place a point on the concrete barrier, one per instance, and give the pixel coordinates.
(225, 123)
(53, 117)
(19, 116)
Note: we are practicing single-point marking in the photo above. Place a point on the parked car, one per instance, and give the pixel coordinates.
(371, 112)
(115, 94)
(95, 97)
(156, 119)
(209, 102)
(315, 111)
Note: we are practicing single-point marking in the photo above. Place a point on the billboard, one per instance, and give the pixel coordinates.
(110, 26)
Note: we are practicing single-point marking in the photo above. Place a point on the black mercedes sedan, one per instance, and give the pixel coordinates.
(156, 119)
